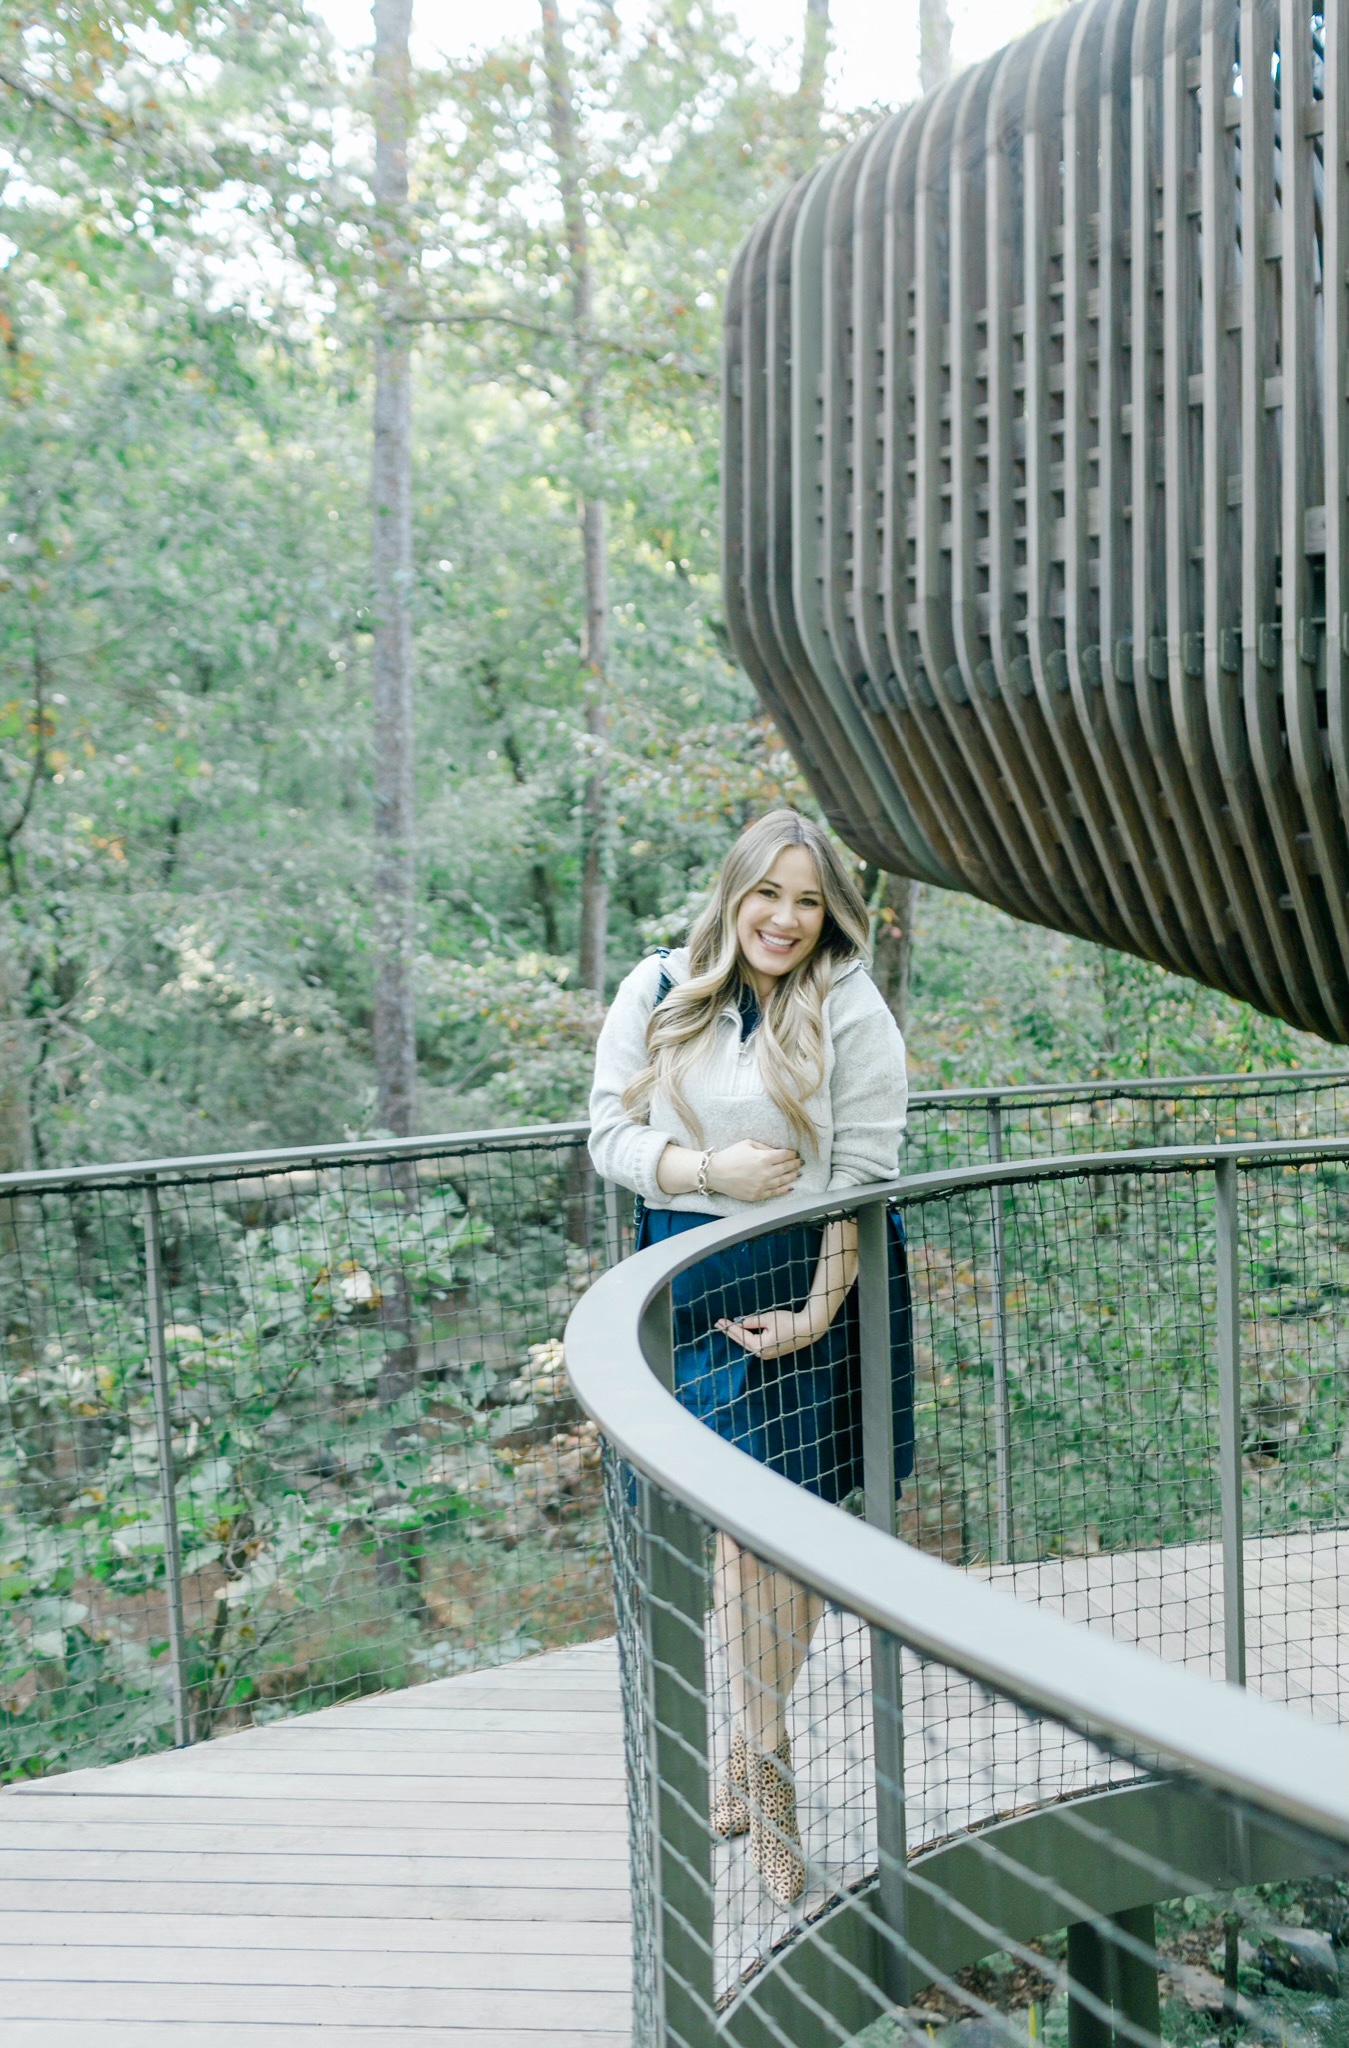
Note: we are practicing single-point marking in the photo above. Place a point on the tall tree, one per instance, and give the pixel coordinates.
(934, 43)
(814, 54)
(395, 845)
(894, 914)
(594, 927)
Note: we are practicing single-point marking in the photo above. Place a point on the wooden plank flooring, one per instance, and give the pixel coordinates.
(450, 1865)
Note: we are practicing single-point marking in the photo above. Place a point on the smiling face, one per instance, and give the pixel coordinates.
(778, 925)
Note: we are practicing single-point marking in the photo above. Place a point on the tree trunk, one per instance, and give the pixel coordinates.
(934, 43)
(809, 106)
(398, 1553)
(15, 1130)
(814, 55)
(21, 1258)
(593, 940)
(395, 855)
(894, 915)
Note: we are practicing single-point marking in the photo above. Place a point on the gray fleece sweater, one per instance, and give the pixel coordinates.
(858, 1112)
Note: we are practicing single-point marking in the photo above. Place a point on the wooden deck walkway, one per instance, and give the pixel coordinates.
(442, 1866)
(449, 1865)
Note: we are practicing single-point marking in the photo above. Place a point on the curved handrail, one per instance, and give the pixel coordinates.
(525, 1137)
(1167, 1087)
(1288, 1764)
(294, 1158)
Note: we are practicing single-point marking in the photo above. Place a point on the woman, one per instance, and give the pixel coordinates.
(761, 1061)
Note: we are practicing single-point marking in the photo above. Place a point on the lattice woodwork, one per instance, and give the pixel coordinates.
(1035, 535)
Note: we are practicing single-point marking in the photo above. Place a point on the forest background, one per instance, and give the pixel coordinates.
(201, 277)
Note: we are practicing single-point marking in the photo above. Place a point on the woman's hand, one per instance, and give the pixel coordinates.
(780, 1331)
(751, 1172)
(777, 1333)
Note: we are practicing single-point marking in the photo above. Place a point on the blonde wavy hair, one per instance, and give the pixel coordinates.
(791, 1028)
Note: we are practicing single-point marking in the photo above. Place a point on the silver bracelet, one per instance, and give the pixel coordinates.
(703, 1165)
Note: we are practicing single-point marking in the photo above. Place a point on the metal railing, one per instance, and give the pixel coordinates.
(1130, 1409)
(282, 1427)
(279, 1427)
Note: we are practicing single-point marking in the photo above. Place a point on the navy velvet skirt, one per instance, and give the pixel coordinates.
(801, 1415)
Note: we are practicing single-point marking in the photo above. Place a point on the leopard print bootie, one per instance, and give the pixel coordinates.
(730, 1808)
(774, 1834)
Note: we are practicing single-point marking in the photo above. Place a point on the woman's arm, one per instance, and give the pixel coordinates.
(868, 1085)
(622, 1149)
(868, 1100)
(783, 1330)
(650, 1162)
(748, 1171)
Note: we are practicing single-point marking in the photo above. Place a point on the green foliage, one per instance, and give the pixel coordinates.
(360, 1446)
(996, 1001)
(185, 805)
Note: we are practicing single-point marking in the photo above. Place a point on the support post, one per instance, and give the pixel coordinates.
(1002, 1414)
(1114, 1977)
(1229, 1421)
(887, 1702)
(613, 1225)
(173, 1559)
(674, 1620)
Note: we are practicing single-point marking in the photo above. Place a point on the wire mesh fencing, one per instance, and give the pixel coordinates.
(278, 1430)
(277, 1434)
(924, 1850)
(1133, 1405)
(1114, 1396)
(961, 1127)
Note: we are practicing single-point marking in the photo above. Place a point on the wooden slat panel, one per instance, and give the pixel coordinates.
(1086, 811)
(866, 559)
(473, 1781)
(591, 1856)
(1303, 485)
(969, 457)
(934, 479)
(1163, 853)
(1095, 323)
(1335, 397)
(843, 796)
(940, 779)
(78, 1896)
(1005, 258)
(200, 1934)
(807, 503)
(510, 1811)
(839, 490)
(1222, 509)
(487, 2012)
(1062, 471)
(1245, 948)
(187, 2031)
(742, 529)
(39, 1963)
(1261, 490)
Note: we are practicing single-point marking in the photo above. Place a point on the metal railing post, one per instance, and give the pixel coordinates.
(173, 1558)
(1116, 1977)
(887, 1699)
(613, 1224)
(674, 1623)
(1229, 1421)
(1002, 1414)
